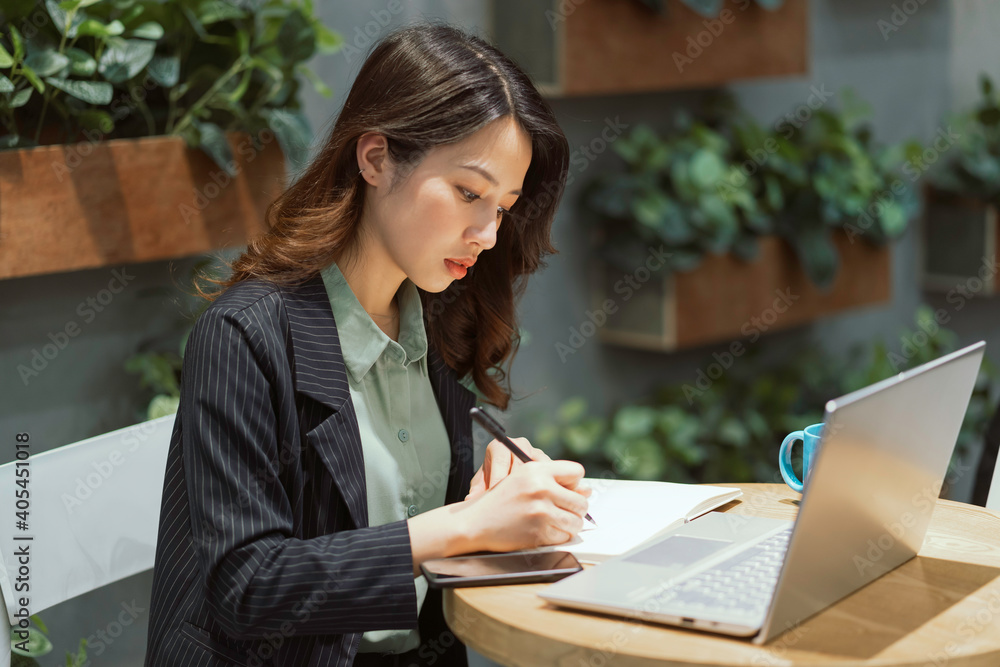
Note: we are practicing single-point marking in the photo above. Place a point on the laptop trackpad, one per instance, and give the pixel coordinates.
(678, 550)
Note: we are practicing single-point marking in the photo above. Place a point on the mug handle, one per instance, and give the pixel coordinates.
(785, 460)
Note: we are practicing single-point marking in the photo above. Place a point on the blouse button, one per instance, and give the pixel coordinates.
(403, 434)
(412, 510)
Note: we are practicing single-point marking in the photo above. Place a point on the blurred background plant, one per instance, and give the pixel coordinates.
(716, 184)
(730, 430)
(972, 167)
(191, 68)
(158, 362)
(38, 645)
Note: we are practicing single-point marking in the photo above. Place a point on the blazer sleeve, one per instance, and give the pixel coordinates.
(258, 577)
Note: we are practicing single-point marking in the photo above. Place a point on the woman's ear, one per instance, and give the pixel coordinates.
(372, 154)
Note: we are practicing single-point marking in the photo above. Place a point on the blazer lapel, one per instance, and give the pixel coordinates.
(320, 374)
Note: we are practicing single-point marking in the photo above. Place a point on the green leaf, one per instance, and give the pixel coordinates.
(162, 405)
(214, 142)
(15, 38)
(95, 28)
(213, 11)
(297, 38)
(707, 169)
(61, 17)
(634, 420)
(572, 410)
(164, 70)
(81, 63)
(37, 643)
(32, 78)
(818, 256)
(582, 439)
(292, 130)
(6, 86)
(6, 60)
(123, 62)
(317, 82)
(21, 98)
(148, 30)
(92, 92)
(95, 119)
(327, 41)
(47, 62)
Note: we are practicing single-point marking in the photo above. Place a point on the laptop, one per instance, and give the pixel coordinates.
(868, 499)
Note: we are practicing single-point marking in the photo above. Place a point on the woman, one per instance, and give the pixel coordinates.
(323, 447)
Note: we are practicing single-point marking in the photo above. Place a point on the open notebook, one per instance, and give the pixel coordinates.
(629, 512)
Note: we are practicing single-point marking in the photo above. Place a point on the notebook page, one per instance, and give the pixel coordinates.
(629, 512)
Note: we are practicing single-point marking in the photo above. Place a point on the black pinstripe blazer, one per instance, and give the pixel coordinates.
(264, 554)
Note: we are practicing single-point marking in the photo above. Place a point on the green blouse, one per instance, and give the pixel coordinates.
(406, 449)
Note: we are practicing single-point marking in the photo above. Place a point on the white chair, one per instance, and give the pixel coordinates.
(93, 512)
(993, 500)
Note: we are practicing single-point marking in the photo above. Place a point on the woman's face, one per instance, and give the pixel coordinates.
(449, 206)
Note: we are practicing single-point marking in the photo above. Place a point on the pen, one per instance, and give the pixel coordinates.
(494, 428)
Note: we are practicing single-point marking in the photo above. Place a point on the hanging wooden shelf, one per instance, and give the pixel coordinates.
(727, 299)
(593, 47)
(77, 206)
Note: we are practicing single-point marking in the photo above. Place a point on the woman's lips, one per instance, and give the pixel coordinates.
(455, 269)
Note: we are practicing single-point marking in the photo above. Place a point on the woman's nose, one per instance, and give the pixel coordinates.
(486, 234)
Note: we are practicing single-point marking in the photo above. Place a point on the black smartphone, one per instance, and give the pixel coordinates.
(494, 569)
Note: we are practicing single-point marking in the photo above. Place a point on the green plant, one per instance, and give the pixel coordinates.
(715, 185)
(159, 363)
(668, 194)
(973, 164)
(190, 68)
(24, 651)
(730, 431)
(828, 174)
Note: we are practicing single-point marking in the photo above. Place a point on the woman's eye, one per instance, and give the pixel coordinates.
(471, 197)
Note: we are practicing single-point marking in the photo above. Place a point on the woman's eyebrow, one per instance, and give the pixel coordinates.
(487, 175)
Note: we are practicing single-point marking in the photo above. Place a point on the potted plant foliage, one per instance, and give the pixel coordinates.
(729, 430)
(744, 216)
(161, 115)
(960, 227)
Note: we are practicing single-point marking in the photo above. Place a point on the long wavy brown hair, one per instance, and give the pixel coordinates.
(423, 86)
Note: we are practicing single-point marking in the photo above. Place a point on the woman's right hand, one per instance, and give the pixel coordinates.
(537, 504)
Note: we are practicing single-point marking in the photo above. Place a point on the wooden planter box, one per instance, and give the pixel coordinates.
(86, 205)
(959, 249)
(727, 299)
(587, 47)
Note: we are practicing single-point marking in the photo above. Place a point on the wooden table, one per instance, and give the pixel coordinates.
(940, 609)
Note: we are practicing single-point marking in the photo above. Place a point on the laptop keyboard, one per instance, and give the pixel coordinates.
(741, 585)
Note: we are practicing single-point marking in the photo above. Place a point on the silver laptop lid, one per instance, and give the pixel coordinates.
(872, 487)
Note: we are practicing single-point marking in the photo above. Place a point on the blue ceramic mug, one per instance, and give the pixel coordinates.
(810, 437)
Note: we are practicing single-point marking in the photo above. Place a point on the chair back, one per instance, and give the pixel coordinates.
(91, 514)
